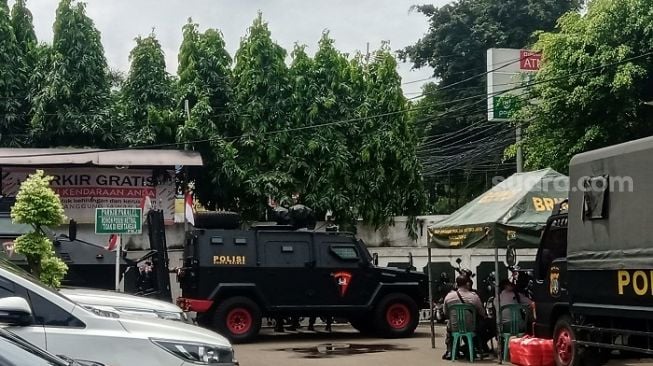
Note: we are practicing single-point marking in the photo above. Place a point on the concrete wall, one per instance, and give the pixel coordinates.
(394, 235)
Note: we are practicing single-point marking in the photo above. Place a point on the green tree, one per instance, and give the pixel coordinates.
(321, 157)
(147, 99)
(455, 47)
(205, 82)
(260, 106)
(389, 180)
(580, 110)
(71, 108)
(12, 82)
(21, 22)
(38, 205)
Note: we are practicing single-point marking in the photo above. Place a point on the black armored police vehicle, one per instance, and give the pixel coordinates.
(594, 270)
(234, 277)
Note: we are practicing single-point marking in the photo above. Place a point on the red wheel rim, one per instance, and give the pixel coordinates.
(398, 316)
(564, 347)
(239, 321)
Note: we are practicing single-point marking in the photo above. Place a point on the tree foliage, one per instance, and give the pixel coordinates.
(389, 172)
(323, 167)
(147, 99)
(205, 83)
(261, 111)
(455, 47)
(21, 22)
(581, 110)
(38, 205)
(265, 129)
(12, 81)
(73, 103)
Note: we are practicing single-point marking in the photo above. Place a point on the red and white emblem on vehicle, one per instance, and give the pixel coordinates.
(343, 279)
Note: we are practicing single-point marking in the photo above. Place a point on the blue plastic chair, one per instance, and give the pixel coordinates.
(463, 326)
(515, 326)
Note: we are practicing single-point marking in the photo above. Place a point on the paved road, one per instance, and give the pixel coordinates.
(346, 347)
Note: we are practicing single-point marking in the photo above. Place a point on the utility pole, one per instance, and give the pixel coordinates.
(187, 109)
(367, 54)
(520, 156)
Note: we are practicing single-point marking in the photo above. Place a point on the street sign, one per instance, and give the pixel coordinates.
(118, 220)
(509, 70)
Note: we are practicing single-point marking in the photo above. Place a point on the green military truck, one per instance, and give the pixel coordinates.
(594, 267)
(233, 277)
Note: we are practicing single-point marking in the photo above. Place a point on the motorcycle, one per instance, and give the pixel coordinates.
(523, 281)
(463, 271)
(490, 283)
(444, 286)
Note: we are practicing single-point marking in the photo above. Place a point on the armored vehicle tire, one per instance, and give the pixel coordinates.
(238, 319)
(217, 220)
(565, 352)
(396, 316)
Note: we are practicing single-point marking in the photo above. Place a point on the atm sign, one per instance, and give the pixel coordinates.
(529, 60)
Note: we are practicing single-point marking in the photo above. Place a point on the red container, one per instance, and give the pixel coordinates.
(528, 351)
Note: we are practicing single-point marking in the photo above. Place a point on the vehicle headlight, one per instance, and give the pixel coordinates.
(167, 315)
(171, 316)
(204, 354)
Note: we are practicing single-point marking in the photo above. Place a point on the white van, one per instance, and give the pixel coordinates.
(62, 326)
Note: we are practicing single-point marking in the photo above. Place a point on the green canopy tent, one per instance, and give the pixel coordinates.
(511, 214)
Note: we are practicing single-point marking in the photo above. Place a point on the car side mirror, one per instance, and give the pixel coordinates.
(72, 230)
(511, 256)
(15, 311)
(375, 259)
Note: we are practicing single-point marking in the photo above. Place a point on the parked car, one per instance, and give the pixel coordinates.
(61, 326)
(125, 303)
(15, 351)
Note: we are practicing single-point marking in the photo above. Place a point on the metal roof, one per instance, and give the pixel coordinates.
(98, 157)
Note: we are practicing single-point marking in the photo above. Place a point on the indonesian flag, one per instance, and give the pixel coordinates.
(188, 209)
(114, 242)
(146, 206)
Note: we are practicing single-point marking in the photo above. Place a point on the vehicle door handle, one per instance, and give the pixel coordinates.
(540, 282)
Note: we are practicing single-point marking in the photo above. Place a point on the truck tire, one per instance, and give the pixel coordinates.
(238, 319)
(217, 220)
(565, 352)
(396, 316)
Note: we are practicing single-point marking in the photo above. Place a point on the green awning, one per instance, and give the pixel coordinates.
(513, 212)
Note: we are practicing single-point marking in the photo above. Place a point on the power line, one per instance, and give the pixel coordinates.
(508, 63)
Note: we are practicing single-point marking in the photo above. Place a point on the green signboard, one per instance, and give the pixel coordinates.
(118, 220)
(505, 106)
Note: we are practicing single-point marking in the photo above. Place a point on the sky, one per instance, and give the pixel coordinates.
(352, 23)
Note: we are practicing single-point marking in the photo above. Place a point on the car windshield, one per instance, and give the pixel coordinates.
(16, 351)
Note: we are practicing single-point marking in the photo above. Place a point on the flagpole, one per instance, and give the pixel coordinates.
(118, 262)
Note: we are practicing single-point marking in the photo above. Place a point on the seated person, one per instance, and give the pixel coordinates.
(464, 294)
(510, 295)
